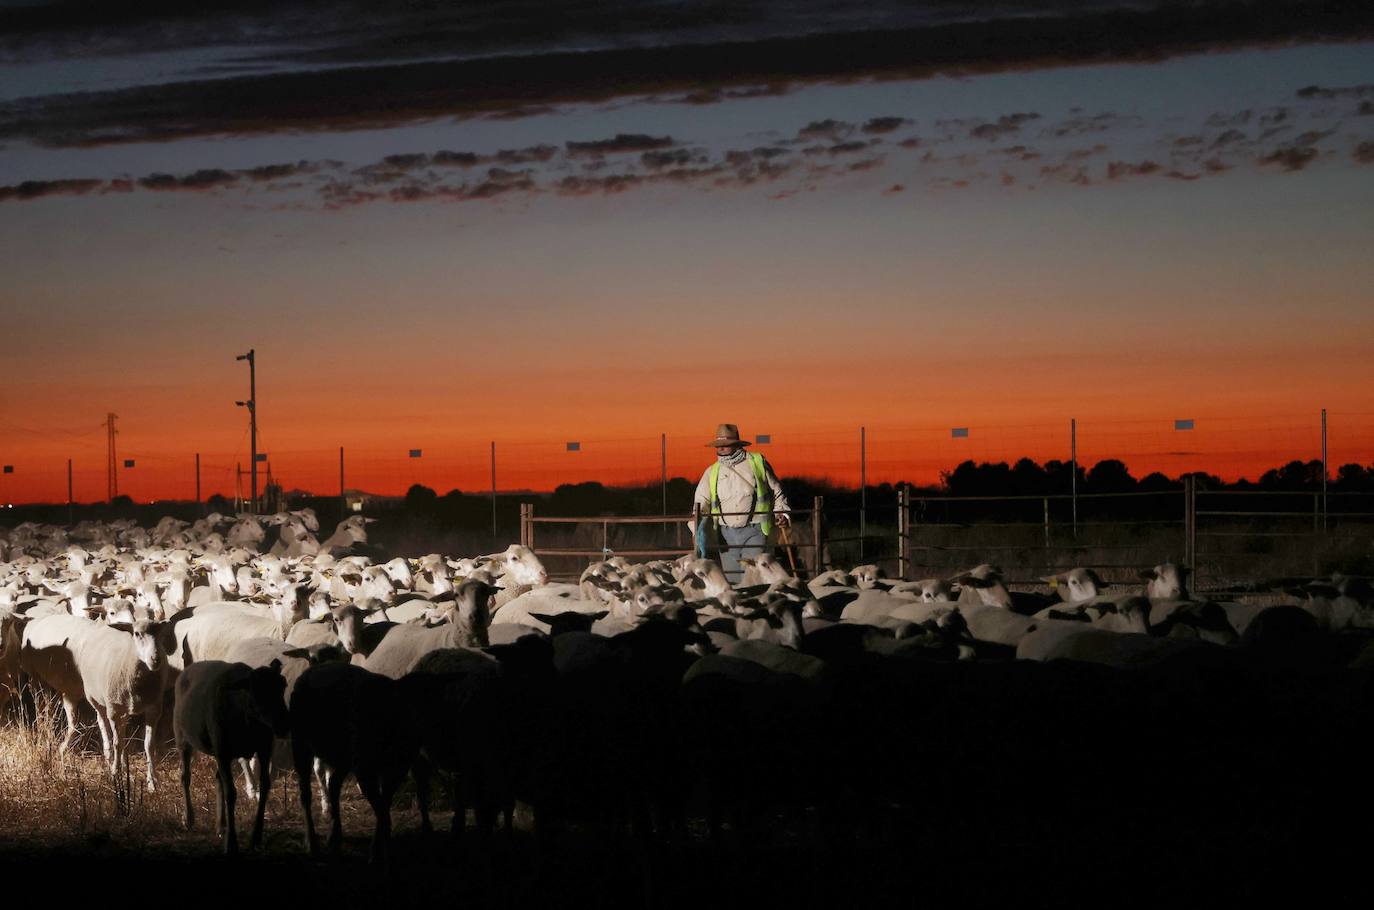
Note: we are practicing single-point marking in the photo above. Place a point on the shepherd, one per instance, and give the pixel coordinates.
(742, 495)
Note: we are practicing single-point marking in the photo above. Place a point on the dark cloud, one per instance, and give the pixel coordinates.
(1116, 170)
(1187, 141)
(660, 160)
(530, 154)
(1009, 123)
(1292, 158)
(867, 164)
(269, 172)
(622, 142)
(446, 158)
(687, 174)
(205, 179)
(1077, 126)
(894, 189)
(759, 153)
(1230, 137)
(825, 129)
(910, 142)
(1067, 172)
(587, 186)
(412, 70)
(717, 95)
(884, 124)
(37, 189)
(1364, 153)
(1312, 137)
(1350, 91)
(1084, 153)
(1228, 120)
(847, 148)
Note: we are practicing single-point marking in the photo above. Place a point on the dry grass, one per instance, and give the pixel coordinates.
(54, 801)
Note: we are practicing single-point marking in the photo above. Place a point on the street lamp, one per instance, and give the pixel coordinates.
(252, 405)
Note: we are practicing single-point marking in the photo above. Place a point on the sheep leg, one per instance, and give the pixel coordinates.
(103, 722)
(264, 788)
(228, 797)
(69, 706)
(322, 778)
(118, 720)
(149, 723)
(302, 761)
(422, 772)
(380, 800)
(335, 787)
(185, 750)
(248, 770)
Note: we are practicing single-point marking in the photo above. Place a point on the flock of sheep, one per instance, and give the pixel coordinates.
(643, 690)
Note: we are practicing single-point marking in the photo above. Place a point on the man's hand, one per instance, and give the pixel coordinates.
(782, 521)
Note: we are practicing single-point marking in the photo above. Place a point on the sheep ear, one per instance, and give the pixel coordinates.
(543, 617)
(600, 615)
(1149, 574)
(296, 652)
(1097, 579)
(123, 627)
(275, 665)
(748, 562)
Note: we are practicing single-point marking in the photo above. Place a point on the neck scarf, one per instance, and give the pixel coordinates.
(734, 458)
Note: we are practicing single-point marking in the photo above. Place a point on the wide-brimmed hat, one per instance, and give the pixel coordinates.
(727, 434)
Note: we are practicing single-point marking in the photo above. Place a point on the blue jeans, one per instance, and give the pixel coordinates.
(741, 543)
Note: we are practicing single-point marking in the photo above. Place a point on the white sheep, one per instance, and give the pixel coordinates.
(121, 673)
(467, 619)
(213, 629)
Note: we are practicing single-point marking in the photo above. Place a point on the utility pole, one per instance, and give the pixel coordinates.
(111, 467)
(1325, 470)
(252, 405)
(863, 488)
(1073, 472)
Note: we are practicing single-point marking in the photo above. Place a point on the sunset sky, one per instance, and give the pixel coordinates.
(440, 229)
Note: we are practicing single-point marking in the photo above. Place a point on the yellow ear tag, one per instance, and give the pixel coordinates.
(1054, 583)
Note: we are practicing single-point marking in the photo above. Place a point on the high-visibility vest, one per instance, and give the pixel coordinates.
(763, 494)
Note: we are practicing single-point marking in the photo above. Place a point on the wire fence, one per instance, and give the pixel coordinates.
(1231, 447)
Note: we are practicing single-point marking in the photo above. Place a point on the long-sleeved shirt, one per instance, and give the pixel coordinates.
(736, 491)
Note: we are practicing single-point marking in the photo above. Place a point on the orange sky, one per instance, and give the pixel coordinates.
(804, 308)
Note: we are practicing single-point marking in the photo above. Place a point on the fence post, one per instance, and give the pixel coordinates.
(1325, 506)
(863, 488)
(1073, 471)
(1047, 524)
(1190, 523)
(493, 492)
(69, 491)
(524, 524)
(817, 534)
(903, 519)
(696, 526)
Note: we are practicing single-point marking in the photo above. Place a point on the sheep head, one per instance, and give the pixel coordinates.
(1076, 585)
(266, 691)
(1166, 581)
